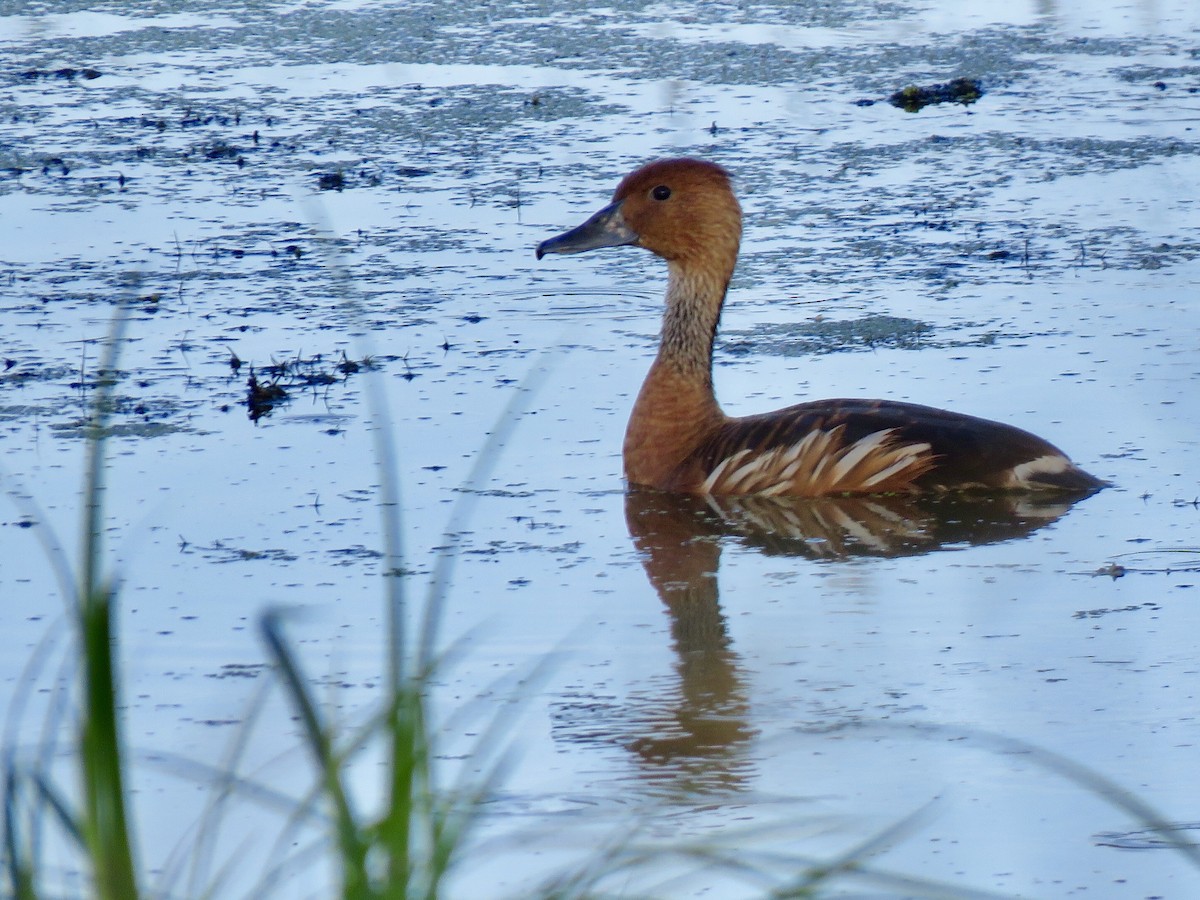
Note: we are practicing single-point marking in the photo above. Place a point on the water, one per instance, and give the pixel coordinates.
(1032, 258)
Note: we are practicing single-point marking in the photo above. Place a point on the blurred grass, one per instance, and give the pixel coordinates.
(404, 850)
(103, 823)
(100, 827)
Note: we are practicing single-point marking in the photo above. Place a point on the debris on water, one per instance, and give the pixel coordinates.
(239, 670)
(221, 150)
(1108, 611)
(270, 385)
(1170, 836)
(331, 181)
(960, 90)
(67, 74)
(261, 396)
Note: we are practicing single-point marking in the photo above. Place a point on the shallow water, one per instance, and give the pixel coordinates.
(1032, 258)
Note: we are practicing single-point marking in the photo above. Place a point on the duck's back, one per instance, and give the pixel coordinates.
(872, 446)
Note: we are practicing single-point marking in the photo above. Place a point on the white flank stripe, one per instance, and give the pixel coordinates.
(776, 489)
(814, 463)
(859, 451)
(910, 455)
(819, 468)
(738, 477)
(715, 475)
(1026, 474)
(796, 451)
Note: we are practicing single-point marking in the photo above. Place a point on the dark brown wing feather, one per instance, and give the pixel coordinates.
(878, 446)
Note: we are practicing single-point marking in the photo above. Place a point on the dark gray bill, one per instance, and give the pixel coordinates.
(606, 228)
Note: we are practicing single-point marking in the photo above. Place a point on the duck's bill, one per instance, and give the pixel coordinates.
(606, 228)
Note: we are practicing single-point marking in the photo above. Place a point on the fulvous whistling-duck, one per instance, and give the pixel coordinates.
(678, 439)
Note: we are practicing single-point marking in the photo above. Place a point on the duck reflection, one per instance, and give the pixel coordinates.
(700, 736)
(841, 527)
(694, 733)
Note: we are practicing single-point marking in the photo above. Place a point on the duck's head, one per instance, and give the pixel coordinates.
(683, 210)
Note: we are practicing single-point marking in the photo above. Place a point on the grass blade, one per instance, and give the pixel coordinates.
(105, 823)
(353, 850)
(20, 863)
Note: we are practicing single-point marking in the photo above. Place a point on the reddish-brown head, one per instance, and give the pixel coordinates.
(681, 209)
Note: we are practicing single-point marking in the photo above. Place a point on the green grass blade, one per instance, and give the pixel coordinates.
(104, 822)
(105, 825)
(353, 849)
(405, 727)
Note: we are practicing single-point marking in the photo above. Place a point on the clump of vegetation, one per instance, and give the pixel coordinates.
(331, 181)
(67, 74)
(261, 396)
(961, 90)
(269, 386)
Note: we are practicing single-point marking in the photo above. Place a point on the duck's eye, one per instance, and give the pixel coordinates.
(662, 192)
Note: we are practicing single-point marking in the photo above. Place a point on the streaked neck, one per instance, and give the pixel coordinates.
(693, 311)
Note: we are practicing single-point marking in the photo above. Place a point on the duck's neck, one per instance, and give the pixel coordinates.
(676, 407)
(689, 328)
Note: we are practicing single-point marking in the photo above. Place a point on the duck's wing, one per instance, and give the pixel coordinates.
(874, 446)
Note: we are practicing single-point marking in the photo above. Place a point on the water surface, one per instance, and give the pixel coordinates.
(318, 184)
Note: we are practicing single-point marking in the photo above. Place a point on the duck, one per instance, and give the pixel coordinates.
(679, 439)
